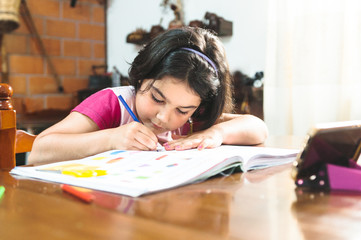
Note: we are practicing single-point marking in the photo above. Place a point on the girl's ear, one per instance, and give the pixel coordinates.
(190, 120)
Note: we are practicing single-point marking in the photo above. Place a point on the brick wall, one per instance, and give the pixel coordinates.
(74, 39)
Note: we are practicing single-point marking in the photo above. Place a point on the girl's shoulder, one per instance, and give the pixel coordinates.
(108, 94)
(125, 91)
(103, 106)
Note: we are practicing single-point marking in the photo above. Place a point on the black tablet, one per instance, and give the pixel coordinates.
(335, 143)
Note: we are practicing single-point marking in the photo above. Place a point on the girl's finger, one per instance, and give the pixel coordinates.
(202, 145)
(187, 144)
(147, 142)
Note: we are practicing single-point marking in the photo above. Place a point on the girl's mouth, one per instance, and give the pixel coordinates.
(156, 126)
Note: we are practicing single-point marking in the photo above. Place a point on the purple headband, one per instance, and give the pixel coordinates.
(203, 56)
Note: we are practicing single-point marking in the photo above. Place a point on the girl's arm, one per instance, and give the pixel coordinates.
(240, 129)
(77, 136)
(234, 129)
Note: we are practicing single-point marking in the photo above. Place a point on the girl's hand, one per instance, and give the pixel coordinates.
(133, 136)
(209, 138)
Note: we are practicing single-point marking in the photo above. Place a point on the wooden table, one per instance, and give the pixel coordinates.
(262, 204)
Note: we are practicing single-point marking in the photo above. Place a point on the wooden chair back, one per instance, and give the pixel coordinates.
(12, 141)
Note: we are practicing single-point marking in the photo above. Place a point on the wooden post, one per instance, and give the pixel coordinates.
(7, 128)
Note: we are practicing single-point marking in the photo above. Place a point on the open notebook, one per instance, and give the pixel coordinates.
(135, 173)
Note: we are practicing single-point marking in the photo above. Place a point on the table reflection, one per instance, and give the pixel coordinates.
(317, 212)
(204, 207)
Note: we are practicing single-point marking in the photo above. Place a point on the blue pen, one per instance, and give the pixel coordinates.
(128, 108)
(160, 147)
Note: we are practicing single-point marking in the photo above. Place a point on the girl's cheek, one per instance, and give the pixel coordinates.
(178, 122)
(146, 106)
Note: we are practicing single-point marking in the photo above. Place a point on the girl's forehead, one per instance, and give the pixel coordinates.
(169, 82)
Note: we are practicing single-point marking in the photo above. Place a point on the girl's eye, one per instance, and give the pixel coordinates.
(156, 99)
(181, 112)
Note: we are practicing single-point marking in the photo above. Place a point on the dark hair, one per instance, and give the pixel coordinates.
(164, 56)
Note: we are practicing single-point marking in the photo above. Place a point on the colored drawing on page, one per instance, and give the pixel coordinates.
(70, 167)
(85, 173)
(172, 165)
(115, 160)
(145, 165)
(116, 152)
(98, 158)
(125, 180)
(159, 158)
(75, 170)
(142, 177)
(134, 152)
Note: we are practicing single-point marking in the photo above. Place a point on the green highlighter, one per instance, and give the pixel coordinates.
(2, 190)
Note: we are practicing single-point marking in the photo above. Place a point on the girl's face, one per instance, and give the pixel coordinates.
(167, 105)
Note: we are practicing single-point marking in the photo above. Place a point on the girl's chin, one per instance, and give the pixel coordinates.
(155, 128)
(158, 131)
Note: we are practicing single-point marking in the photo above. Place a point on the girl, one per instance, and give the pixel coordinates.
(180, 92)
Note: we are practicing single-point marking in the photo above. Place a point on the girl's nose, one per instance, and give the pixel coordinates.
(163, 115)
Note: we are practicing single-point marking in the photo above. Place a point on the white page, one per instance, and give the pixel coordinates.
(137, 172)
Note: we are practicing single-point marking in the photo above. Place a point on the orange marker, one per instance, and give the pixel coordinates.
(86, 197)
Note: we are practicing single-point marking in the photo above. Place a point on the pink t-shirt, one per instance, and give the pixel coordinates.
(107, 111)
